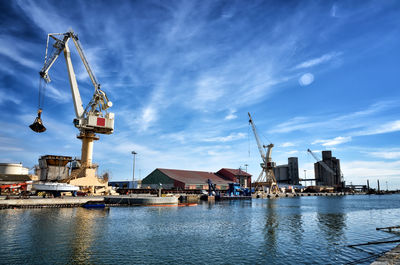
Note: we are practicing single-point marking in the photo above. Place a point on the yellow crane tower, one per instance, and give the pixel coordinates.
(266, 177)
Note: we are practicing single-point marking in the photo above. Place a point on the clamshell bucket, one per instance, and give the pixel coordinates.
(37, 125)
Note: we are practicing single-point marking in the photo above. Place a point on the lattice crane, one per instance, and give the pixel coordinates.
(266, 177)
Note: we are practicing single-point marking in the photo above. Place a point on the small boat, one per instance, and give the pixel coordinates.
(187, 204)
(94, 205)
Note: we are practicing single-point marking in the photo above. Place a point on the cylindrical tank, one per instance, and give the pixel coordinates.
(13, 169)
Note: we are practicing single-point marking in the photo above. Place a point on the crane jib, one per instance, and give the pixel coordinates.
(95, 117)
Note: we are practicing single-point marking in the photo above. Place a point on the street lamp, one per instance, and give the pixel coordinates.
(133, 174)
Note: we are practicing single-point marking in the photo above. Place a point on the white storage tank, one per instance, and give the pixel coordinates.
(13, 169)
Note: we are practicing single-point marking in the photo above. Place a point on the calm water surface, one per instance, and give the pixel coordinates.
(301, 230)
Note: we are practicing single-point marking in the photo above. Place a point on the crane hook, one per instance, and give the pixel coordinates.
(37, 125)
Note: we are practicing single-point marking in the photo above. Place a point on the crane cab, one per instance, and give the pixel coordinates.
(97, 124)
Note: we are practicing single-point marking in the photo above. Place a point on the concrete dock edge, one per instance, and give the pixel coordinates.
(389, 258)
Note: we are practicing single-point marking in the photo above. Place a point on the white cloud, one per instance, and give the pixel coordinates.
(178, 136)
(13, 49)
(11, 149)
(316, 61)
(371, 168)
(287, 144)
(386, 154)
(209, 89)
(334, 141)
(230, 137)
(188, 43)
(8, 97)
(231, 115)
(296, 123)
(44, 15)
(334, 11)
(148, 116)
(57, 94)
(354, 120)
(306, 79)
(388, 127)
(292, 152)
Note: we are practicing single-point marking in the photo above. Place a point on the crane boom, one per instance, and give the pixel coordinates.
(92, 117)
(322, 163)
(76, 96)
(259, 145)
(84, 60)
(266, 177)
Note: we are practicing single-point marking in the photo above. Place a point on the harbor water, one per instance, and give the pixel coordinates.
(299, 230)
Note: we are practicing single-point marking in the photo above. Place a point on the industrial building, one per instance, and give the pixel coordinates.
(183, 179)
(327, 172)
(14, 178)
(53, 168)
(56, 168)
(289, 173)
(236, 175)
(13, 173)
(126, 184)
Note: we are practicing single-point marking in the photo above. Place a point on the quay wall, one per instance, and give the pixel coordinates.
(389, 258)
(146, 200)
(48, 202)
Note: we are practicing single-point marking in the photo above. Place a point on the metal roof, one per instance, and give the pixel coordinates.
(193, 177)
(236, 172)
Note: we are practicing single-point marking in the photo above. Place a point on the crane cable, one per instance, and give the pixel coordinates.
(37, 125)
(42, 92)
(248, 138)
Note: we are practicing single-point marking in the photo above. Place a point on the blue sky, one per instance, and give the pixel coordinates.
(182, 76)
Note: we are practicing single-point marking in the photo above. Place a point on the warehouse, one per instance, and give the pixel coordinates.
(183, 179)
(236, 175)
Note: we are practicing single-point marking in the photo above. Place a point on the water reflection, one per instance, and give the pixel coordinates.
(295, 220)
(312, 230)
(332, 219)
(86, 227)
(271, 226)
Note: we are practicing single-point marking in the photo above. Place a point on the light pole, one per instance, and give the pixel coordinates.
(246, 165)
(133, 174)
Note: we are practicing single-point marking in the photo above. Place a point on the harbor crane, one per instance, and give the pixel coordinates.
(92, 119)
(322, 163)
(266, 177)
(325, 166)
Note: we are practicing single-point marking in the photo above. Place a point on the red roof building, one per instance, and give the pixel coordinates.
(183, 179)
(236, 175)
